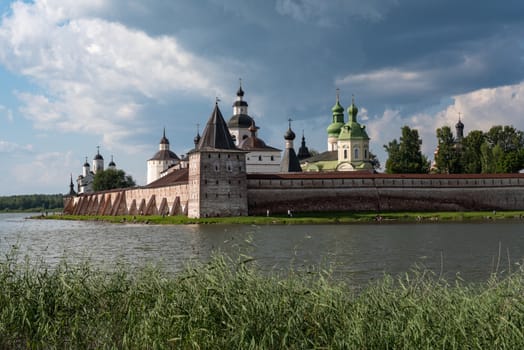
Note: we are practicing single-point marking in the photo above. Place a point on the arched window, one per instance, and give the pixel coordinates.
(365, 154)
(345, 154)
(259, 158)
(356, 153)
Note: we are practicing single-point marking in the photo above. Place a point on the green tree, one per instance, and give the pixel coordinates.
(405, 156)
(375, 163)
(447, 159)
(112, 178)
(503, 150)
(471, 152)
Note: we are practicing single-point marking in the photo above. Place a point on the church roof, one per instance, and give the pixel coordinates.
(253, 143)
(290, 162)
(322, 157)
(216, 134)
(176, 177)
(165, 155)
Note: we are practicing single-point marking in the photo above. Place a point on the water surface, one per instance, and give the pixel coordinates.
(358, 253)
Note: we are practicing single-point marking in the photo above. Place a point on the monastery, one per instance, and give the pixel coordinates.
(232, 172)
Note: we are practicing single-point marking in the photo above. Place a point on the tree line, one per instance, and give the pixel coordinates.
(34, 202)
(499, 150)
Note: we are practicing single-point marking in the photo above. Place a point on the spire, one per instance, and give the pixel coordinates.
(164, 140)
(72, 187)
(196, 140)
(216, 134)
(240, 92)
(459, 128)
(303, 151)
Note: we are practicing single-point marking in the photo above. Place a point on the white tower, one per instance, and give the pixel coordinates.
(162, 160)
(240, 122)
(98, 161)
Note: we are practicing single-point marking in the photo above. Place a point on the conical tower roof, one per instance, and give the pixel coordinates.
(216, 133)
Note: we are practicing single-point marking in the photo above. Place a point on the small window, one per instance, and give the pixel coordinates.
(356, 153)
(217, 182)
(259, 158)
(219, 155)
(272, 158)
(345, 154)
(209, 155)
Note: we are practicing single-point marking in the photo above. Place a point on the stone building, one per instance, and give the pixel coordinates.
(217, 182)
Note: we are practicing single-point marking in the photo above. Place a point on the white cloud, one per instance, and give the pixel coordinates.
(97, 74)
(8, 113)
(42, 171)
(480, 110)
(10, 147)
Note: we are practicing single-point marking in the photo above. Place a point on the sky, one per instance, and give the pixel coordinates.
(77, 74)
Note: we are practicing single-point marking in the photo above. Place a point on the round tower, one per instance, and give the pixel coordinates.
(98, 161)
(162, 160)
(240, 122)
(86, 169)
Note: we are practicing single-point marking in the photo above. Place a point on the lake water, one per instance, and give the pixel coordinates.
(358, 253)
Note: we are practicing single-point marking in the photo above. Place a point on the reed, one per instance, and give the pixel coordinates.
(226, 304)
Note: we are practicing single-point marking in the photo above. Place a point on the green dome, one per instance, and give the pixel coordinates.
(334, 128)
(352, 112)
(337, 108)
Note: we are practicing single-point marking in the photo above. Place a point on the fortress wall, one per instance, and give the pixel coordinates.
(380, 193)
(135, 201)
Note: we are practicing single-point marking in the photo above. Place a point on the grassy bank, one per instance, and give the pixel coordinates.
(230, 305)
(310, 218)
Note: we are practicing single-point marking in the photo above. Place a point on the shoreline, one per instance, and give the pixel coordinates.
(306, 218)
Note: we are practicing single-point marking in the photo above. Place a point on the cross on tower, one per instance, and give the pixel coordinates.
(338, 94)
(289, 120)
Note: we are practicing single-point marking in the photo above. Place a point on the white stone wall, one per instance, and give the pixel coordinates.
(263, 162)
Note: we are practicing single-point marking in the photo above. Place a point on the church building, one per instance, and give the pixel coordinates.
(347, 142)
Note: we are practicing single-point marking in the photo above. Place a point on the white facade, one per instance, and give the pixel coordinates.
(262, 161)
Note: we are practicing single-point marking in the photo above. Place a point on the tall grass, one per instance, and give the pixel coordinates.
(228, 304)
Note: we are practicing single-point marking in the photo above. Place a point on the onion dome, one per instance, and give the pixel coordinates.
(98, 156)
(112, 163)
(240, 92)
(86, 164)
(353, 111)
(289, 135)
(334, 128)
(196, 140)
(459, 125)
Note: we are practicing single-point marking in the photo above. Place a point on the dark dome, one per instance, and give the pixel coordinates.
(289, 135)
(240, 121)
(111, 163)
(240, 92)
(98, 157)
(459, 125)
(164, 141)
(240, 104)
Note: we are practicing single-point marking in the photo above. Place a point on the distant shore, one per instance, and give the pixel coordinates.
(305, 218)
